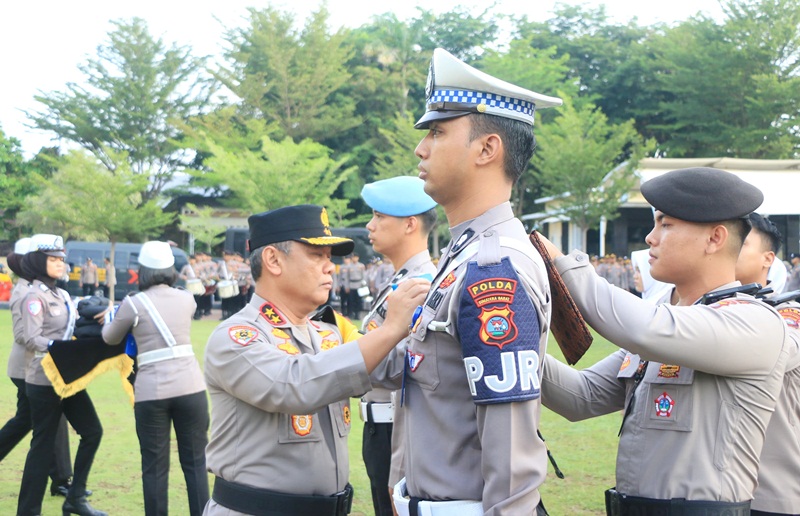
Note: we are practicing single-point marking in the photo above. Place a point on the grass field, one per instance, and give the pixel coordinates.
(584, 451)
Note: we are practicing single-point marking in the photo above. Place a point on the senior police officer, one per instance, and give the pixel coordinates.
(280, 383)
(403, 216)
(472, 366)
(780, 457)
(698, 381)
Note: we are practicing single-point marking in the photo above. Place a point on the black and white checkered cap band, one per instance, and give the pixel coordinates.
(491, 100)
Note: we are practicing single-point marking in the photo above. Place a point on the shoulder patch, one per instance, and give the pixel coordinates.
(34, 307)
(729, 302)
(242, 335)
(791, 316)
(499, 330)
(272, 315)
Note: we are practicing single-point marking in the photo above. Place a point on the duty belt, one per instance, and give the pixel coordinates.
(263, 502)
(618, 504)
(374, 412)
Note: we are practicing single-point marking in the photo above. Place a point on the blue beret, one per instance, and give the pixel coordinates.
(401, 196)
(702, 194)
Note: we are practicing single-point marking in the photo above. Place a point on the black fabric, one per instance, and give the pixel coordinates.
(296, 223)
(75, 358)
(263, 502)
(702, 194)
(376, 450)
(618, 504)
(154, 419)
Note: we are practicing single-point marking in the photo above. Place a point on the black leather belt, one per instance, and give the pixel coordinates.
(618, 504)
(263, 502)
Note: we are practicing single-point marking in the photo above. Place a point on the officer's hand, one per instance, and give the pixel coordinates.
(551, 248)
(404, 301)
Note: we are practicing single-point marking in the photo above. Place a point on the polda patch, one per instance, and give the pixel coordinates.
(34, 307)
(243, 335)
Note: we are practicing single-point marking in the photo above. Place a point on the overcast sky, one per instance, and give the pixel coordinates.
(43, 41)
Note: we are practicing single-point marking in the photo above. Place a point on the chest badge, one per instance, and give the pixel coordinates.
(302, 424)
(669, 371)
(414, 360)
(664, 405)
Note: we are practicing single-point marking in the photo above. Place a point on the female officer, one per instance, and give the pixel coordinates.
(48, 314)
(169, 385)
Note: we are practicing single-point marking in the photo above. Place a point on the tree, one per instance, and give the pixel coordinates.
(85, 200)
(202, 224)
(732, 89)
(588, 163)
(135, 89)
(290, 77)
(276, 174)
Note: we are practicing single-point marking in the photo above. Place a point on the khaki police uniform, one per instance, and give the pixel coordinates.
(474, 437)
(280, 405)
(379, 400)
(16, 360)
(46, 315)
(778, 488)
(697, 421)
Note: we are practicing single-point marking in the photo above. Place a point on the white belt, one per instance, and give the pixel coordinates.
(162, 354)
(381, 412)
(425, 508)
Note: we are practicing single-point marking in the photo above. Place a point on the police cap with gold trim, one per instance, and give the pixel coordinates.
(306, 223)
(401, 196)
(456, 89)
(702, 194)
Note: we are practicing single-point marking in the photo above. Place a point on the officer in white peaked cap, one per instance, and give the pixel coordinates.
(471, 370)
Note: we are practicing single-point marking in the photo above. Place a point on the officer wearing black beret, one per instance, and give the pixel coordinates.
(280, 383)
(697, 381)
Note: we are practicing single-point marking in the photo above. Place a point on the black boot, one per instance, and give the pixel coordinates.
(62, 488)
(81, 507)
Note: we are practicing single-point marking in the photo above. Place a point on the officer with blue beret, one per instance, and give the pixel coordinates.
(471, 371)
(697, 380)
(403, 216)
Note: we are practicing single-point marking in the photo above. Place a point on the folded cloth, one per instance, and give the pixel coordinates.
(71, 365)
(88, 308)
(566, 322)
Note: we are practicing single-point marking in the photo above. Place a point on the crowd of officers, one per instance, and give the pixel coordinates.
(351, 278)
(232, 268)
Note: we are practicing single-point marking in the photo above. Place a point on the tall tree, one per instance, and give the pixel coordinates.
(85, 200)
(588, 163)
(134, 90)
(289, 76)
(734, 88)
(202, 223)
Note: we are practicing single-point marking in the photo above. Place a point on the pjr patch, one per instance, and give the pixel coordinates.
(242, 335)
(664, 405)
(669, 371)
(329, 340)
(34, 307)
(302, 424)
(499, 330)
(272, 315)
(791, 316)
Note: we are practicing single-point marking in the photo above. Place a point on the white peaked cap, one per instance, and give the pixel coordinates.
(156, 255)
(22, 246)
(51, 245)
(456, 89)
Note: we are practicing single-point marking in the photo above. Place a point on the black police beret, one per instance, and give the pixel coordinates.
(306, 223)
(702, 194)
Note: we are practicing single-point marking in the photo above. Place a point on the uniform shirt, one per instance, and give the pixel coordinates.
(384, 273)
(16, 359)
(89, 273)
(419, 265)
(111, 275)
(485, 447)
(697, 424)
(778, 488)
(280, 408)
(168, 378)
(356, 274)
(47, 315)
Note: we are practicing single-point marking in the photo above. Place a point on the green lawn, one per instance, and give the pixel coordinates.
(584, 451)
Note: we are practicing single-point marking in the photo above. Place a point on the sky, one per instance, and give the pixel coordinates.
(42, 42)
